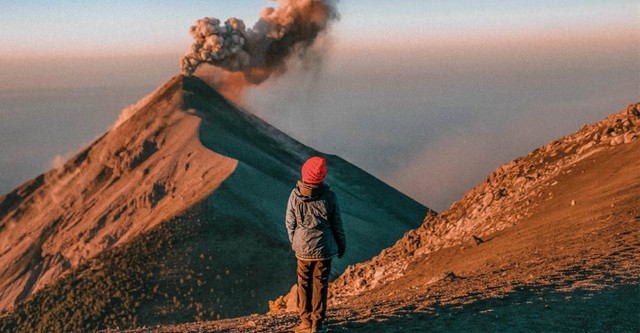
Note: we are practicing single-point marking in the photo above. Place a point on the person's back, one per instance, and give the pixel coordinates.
(316, 234)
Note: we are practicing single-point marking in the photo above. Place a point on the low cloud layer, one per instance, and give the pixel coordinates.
(436, 120)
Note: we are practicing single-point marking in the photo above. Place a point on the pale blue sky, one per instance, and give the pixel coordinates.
(35, 28)
(429, 96)
(106, 28)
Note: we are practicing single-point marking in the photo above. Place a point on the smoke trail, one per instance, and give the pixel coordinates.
(262, 51)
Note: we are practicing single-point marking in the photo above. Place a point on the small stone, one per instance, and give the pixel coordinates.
(488, 198)
(616, 140)
(519, 182)
(630, 108)
(478, 239)
(573, 202)
(629, 137)
(585, 147)
(291, 300)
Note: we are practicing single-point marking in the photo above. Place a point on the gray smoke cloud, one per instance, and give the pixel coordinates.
(261, 51)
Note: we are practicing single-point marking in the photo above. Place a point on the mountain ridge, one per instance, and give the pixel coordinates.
(511, 185)
(556, 237)
(111, 165)
(185, 156)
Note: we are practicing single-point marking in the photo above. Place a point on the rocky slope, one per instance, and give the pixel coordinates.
(175, 214)
(549, 242)
(126, 182)
(509, 196)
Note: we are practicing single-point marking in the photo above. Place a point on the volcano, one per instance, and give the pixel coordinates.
(175, 214)
(549, 242)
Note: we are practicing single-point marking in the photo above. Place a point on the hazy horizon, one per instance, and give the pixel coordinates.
(428, 97)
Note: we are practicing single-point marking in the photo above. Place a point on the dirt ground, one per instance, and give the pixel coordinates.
(573, 266)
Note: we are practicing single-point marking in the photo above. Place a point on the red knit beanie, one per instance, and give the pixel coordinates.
(314, 170)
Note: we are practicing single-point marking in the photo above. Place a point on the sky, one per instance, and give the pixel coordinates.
(429, 96)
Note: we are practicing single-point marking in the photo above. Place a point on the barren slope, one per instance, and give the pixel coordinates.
(558, 250)
(176, 214)
(126, 182)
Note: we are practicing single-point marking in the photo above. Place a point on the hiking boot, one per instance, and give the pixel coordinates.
(305, 327)
(319, 328)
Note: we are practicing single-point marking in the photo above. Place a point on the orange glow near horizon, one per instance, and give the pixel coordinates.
(614, 36)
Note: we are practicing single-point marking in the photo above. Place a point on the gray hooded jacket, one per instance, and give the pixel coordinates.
(314, 223)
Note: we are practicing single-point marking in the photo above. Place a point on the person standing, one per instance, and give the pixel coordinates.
(316, 235)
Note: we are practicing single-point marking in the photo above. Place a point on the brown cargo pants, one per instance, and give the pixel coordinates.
(313, 284)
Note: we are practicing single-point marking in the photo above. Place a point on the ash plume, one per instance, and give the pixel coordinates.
(253, 55)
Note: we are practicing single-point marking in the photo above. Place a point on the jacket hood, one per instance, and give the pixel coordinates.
(310, 191)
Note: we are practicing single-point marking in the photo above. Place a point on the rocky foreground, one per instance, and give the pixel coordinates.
(549, 242)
